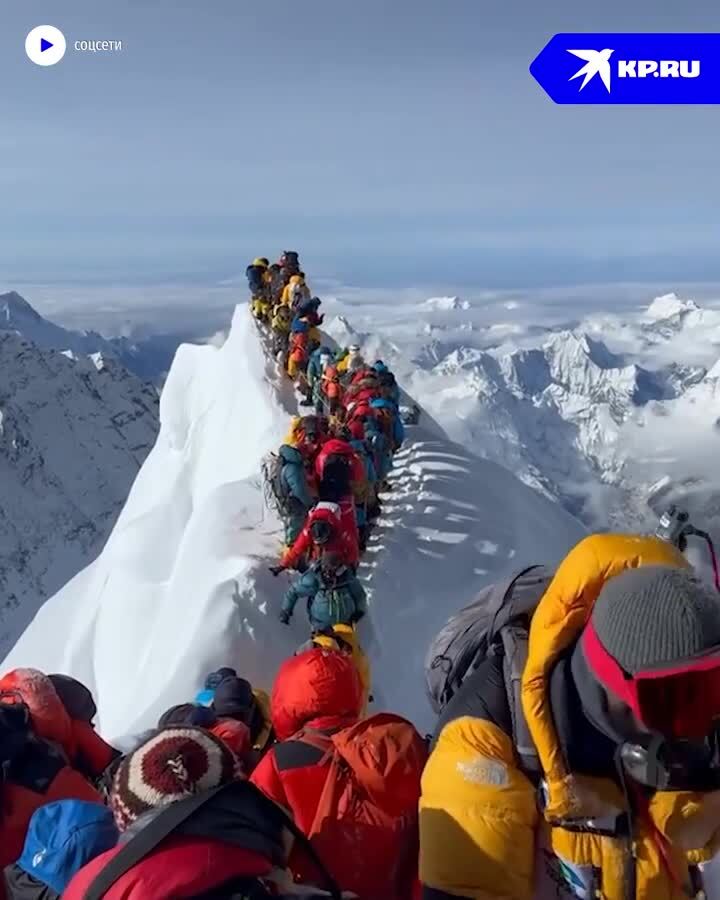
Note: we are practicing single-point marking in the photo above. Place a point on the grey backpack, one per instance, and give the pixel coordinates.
(495, 623)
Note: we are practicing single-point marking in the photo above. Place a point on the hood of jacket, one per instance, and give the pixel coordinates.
(338, 447)
(327, 510)
(319, 688)
(50, 719)
(289, 454)
(556, 624)
(63, 837)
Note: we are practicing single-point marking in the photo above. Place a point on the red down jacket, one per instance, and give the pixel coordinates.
(82, 745)
(345, 540)
(42, 774)
(318, 690)
(182, 867)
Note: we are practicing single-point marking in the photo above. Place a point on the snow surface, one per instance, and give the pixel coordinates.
(182, 585)
(73, 435)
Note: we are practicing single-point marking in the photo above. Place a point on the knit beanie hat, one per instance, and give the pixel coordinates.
(651, 616)
(234, 699)
(174, 764)
(188, 714)
(215, 678)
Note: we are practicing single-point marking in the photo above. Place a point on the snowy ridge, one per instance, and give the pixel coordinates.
(182, 585)
(73, 435)
(147, 359)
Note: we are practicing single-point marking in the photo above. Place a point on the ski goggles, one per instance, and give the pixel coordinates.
(679, 765)
(680, 701)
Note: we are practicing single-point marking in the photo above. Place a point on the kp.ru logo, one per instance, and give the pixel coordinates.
(597, 62)
(630, 68)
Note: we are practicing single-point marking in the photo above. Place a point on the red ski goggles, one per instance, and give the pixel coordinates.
(681, 700)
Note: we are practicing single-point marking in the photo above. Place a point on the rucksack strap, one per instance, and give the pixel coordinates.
(500, 613)
(515, 654)
(146, 840)
(514, 638)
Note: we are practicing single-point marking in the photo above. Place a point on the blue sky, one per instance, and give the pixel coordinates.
(388, 141)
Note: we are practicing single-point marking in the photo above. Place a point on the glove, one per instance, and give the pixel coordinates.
(276, 570)
(284, 617)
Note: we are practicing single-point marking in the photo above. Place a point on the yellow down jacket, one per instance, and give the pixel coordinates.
(482, 835)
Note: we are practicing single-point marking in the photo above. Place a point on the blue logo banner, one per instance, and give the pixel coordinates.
(630, 68)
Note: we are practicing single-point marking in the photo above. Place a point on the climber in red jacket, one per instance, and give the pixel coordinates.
(334, 455)
(220, 850)
(51, 755)
(318, 690)
(329, 528)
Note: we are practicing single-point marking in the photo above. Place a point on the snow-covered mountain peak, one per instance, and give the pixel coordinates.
(669, 306)
(341, 330)
(446, 304)
(15, 312)
(148, 359)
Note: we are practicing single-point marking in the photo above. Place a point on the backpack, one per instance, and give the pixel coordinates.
(336, 476)
(340, 603)
(290, 258)
(274, 488)
(260, 814)
(366, 823)
(256, 279)
(495, 623)
(386, 421)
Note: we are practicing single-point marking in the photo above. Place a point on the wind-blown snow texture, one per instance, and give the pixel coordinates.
(182, 585)
(73, 435)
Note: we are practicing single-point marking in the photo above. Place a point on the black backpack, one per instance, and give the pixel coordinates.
(496, 623)
(335, 483)
(274, 487)
(170, 819)
(290, 259)
(256, 278)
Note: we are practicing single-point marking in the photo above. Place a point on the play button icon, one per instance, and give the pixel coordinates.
(45, 45)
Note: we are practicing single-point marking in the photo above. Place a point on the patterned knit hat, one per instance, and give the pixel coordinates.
(173, 764)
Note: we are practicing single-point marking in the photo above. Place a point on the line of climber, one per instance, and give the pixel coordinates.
(187, 810)
(575, 754)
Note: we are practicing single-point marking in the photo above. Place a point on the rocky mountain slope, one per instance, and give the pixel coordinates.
(74, 430)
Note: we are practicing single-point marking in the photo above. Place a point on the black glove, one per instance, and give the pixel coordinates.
(276, 570)
(284, 617)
